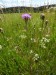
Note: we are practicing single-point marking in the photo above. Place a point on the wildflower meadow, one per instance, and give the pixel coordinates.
(28, 43)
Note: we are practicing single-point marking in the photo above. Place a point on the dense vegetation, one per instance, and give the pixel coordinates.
(31, 51)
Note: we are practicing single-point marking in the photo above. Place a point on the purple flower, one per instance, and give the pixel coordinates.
(26, 16)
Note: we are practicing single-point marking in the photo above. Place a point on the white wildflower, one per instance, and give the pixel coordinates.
(31, 51)
(23, 36)
(36, 57)
(34, 40)
(43, 45)
(45, 40)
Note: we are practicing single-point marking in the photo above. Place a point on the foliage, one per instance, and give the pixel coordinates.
(31, 51)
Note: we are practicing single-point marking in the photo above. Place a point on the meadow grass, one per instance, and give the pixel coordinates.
(31, 51)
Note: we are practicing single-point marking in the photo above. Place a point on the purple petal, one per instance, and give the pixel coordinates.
(27, 16)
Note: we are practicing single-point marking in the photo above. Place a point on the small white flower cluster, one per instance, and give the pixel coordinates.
(0, 47)
(34, 40)
(23, 36)
(36, 57)
(42, 44)
(43, 41)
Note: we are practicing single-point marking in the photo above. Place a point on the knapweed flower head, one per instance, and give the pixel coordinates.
(46, 22)
(42, 16)
(1, 30)
(26, 16)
